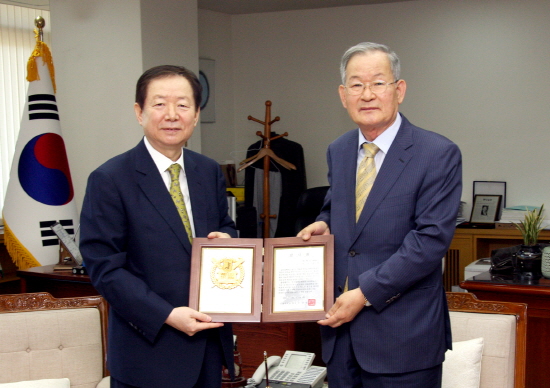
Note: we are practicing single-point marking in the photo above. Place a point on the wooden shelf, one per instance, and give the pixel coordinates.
(469, 245)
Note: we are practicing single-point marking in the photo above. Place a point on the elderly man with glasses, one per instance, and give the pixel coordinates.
(394, 195)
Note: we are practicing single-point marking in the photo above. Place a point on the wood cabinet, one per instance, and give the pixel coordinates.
(469, 245)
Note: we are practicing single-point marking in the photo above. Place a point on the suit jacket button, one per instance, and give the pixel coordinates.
(352, 253)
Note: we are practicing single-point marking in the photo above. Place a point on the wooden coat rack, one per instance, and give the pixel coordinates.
(267, 154)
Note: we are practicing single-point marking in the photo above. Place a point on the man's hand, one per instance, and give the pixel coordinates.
(346, 307)
(218, 235)
(190, 321)
(317, 228)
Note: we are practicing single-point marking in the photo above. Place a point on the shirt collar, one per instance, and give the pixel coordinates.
(161, 161)
(385, 139)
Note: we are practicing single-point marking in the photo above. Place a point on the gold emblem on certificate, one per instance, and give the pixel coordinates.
(227, 273)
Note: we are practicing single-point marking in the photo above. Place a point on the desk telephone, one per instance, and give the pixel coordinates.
(294, 370)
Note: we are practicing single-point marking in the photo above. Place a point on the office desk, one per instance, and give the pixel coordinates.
(537, 296)
(61, 284)
(468, 245)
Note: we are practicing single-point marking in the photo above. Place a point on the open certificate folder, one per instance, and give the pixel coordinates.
(254, 280)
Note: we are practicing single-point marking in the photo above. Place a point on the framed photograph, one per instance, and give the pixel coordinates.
(485, 208)
(226, 279)
(298, 278)
(491, 188)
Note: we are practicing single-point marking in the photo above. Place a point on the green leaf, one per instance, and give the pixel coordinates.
(531, 225)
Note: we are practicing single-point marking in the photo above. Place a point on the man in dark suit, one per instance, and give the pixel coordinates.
(136, 242)
(389, 326)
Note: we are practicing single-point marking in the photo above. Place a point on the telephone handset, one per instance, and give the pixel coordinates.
(295, 367)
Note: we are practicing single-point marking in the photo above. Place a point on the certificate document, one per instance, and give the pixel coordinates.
(256, 280)
(298, 279)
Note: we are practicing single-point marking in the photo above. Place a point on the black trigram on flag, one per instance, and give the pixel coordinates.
(48, 235)
(43, 106)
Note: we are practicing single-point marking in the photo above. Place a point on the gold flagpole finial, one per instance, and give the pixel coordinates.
(39, 22)
(40, 50)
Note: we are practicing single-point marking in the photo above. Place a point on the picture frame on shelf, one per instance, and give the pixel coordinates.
(485, 209)
(491, 188)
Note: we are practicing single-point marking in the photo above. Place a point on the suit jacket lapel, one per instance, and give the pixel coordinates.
(349, 158)
(395, 162)
(154, 188)
(196, 192)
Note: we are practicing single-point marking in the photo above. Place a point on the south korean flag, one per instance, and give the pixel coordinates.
(40, 190)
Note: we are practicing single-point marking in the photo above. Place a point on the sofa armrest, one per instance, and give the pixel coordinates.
(104, 383)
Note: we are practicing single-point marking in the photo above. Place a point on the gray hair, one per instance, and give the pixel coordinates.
(365, 47)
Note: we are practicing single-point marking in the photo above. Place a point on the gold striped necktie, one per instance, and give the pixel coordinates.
(177, 197)
(365, 177)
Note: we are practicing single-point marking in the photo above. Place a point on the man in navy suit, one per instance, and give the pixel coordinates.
(389, 326)
(137, 250)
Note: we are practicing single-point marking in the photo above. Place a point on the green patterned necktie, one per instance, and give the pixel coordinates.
(365, 177)
(177, 197)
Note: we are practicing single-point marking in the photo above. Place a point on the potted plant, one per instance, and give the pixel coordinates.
(528, 257)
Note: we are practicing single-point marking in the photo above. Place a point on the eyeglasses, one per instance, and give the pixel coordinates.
(377, 87)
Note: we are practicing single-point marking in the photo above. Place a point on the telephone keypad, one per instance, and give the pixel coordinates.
(284, 375)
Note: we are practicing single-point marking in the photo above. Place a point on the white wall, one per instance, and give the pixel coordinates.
(215, 42)
(478, 72)
(96, 46)
(100, 49)
(169, 34)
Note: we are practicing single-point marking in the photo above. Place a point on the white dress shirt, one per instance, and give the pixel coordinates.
(383, 141)
(163, 163)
